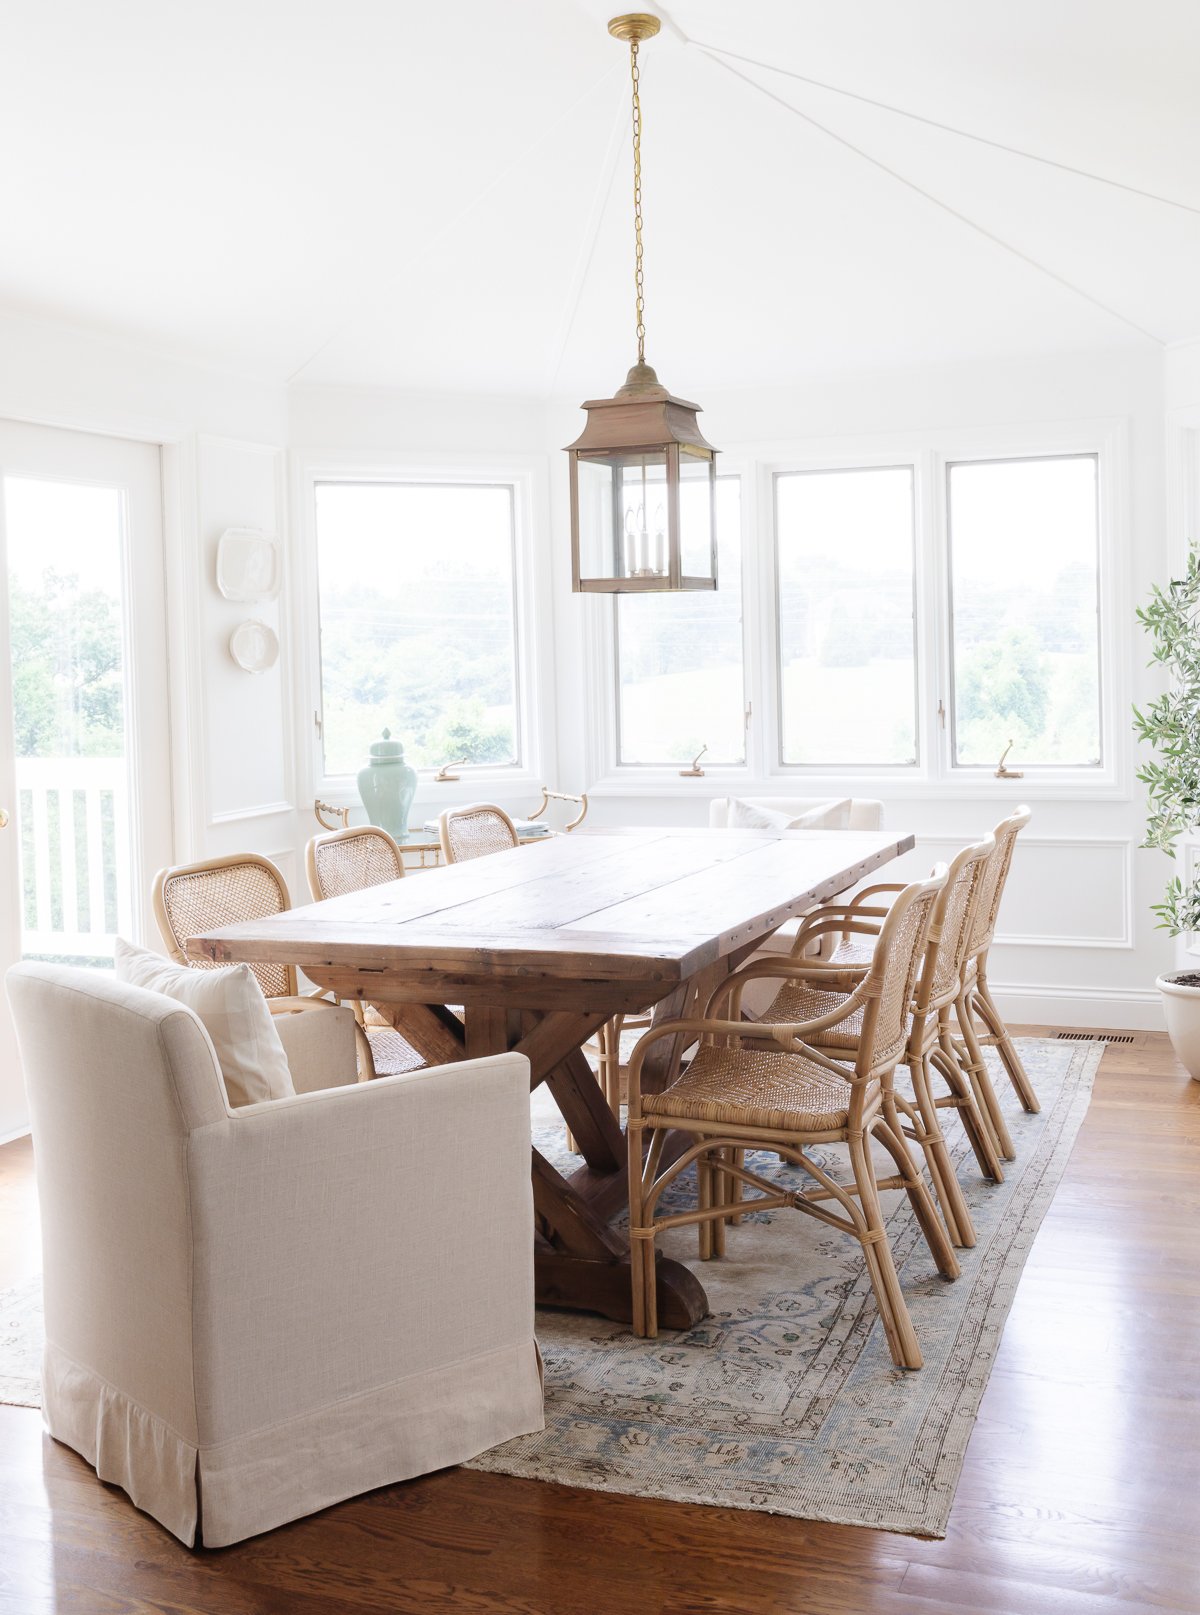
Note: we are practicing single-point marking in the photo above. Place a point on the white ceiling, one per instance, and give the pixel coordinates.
(420, 196)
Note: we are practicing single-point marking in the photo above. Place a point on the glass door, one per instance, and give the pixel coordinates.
(84, 762)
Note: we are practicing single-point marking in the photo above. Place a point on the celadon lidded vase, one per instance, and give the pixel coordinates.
(387, 786)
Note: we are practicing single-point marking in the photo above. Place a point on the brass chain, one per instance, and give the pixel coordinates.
(638, 278)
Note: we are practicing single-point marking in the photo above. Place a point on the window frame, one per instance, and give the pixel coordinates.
(873, 770)
(533, 638)
(1084, 770)
(1108, 441)
(727, 473)
(929, 452)
(611, 777)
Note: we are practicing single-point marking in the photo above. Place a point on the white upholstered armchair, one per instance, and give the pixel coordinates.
(252, 1314)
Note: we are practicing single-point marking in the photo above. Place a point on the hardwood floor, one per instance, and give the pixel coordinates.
(1080, 1494)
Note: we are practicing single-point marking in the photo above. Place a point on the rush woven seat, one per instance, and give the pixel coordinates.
(752, 1085)
(797, 1001)
(755, 1088)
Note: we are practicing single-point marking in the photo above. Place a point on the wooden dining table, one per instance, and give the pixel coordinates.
(536, 948)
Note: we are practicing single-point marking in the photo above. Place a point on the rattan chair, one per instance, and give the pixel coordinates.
(979, 1022)
(348, 861)
(973, 1022)
(814, 988)
(475, 831)
(767, 1087)
(193, 898)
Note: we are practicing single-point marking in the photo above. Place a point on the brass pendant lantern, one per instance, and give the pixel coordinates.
(643, 478)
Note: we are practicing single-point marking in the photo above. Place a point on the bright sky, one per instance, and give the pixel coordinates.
(864, 515)
(67, 526)
(1022, 519)
(398, 534)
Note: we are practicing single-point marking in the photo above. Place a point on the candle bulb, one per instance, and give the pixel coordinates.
(660, 543)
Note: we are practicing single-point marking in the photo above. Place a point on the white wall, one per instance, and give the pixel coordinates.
(1081, 892)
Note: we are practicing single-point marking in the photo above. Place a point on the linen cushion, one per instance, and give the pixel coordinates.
(234, 1013)
(831, 815)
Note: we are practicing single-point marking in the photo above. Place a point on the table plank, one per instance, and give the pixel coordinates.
(657, 904)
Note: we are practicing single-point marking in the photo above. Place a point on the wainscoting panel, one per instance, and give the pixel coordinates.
(1064, 892)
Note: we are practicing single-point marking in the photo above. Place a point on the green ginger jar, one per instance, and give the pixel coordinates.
(387, 786)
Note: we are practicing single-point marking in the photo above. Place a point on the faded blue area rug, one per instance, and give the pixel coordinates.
(785, 1398)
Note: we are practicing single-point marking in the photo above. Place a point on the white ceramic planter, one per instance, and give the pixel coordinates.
(1182, 1007)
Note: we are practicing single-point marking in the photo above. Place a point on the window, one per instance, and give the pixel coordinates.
(416, 587)
(847, 658)
(680, 675)
(1025, 646)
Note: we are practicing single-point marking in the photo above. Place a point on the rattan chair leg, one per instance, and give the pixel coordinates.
(704, 1201)
(637, 1245)
(985, 1007)
(889, 1298)
(723, 1185)
(609, 1042)
(936, 1237)
(979, 1134)
(735, 1187)
(981, 1083)
(938, 1159)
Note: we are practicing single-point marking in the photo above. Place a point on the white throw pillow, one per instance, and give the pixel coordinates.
(830, 815)
(749, 816)
(234, 1013)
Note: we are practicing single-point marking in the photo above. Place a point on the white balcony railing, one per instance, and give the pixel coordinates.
(73, 823)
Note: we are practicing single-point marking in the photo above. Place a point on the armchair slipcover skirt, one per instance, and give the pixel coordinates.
(253, 1314)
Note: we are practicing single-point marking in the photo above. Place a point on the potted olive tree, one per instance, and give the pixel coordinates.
(1171, 726)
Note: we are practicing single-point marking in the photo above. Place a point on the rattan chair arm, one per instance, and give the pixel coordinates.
(784, 969)
(832, 925)
(830, 975)
(869, 891)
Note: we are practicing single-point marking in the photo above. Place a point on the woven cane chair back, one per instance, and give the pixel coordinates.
(983, 927)
(349, 860)
(953, 919)
(201, 897)
(893, 974)
(474, 832)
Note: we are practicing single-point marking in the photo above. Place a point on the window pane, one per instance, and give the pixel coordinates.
(846, 640)
(418, 624)
(1024, 546)
(679, 660)
(66, 632)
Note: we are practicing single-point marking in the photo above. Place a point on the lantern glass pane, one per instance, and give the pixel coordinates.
(697, 497)
(623, 515)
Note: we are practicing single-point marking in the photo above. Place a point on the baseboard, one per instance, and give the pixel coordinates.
(1137, 1008)
(11, 1138)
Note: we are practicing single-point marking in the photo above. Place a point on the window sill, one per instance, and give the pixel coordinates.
(634, 783)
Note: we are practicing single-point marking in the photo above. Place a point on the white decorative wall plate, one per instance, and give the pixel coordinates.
(248, 564)
(254, 646)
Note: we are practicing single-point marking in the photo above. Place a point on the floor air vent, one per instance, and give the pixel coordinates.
(1094, 1037)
